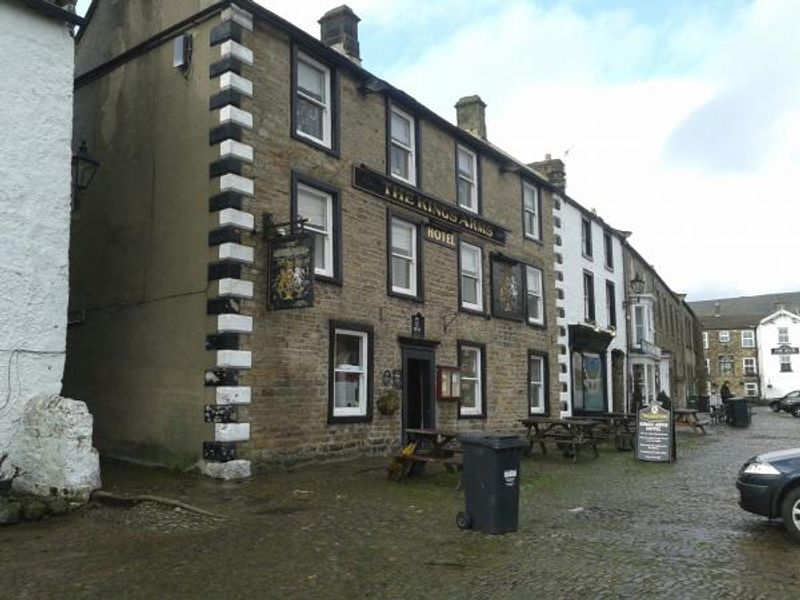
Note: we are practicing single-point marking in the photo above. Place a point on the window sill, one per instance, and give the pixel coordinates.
(588, 257)
(468, 417)
(337, 281)
(401, 296)
(404, 181)
(473, 311)
(333, 150)
(532, 325)
(535, 240)
(345, 420)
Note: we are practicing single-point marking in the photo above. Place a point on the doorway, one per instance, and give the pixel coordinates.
(419, 408)
(618, 380)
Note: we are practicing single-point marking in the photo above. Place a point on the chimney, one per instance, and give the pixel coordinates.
(553, 169)
(471, 115)
(717, 309)
(339, 30)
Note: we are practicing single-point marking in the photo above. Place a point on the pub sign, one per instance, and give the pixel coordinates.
(291, 271)
(508, 297)
(655, 434)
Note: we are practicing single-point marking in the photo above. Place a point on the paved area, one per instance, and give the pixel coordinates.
(603, 528)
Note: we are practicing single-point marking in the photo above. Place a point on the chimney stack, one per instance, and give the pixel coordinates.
(471, 115)
(553, 169)
(339, 30)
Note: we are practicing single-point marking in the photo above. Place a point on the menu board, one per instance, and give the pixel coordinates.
(655, 436)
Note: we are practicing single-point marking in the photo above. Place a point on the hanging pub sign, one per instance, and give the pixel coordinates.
(291, 271)
(655, 434)
(508, 298)
(785, 350)
(445, 213)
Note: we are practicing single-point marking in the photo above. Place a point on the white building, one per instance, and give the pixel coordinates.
(36, 60)
(591, 323)
(779, 353)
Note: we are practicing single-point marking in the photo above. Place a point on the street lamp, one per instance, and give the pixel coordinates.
(84, 168)
(637, 286)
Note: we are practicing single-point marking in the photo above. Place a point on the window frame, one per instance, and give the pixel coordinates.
(419, 259)
(587, 249)
(748, 386)
(589, 303)
(476, 184)
(608, 247)
(705, 340)
(414, 162)
(545, 383)
(541, 321)
(332, 81)
(464, 306)
(299, 179)
(785, 359)
(537, 210)
(366, 332)
(611, 307)
(745, 370)
(482, 412)
(786, 330)
(727, 336)
(751, 336)
(727, 360)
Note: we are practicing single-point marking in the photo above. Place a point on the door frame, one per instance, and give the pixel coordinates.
(424, 353)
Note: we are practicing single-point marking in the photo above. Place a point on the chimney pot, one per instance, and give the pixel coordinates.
(339, 30)
(471, 115)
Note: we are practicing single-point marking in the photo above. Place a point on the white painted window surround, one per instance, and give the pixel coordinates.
(531, 205)
(350, 373)
(748, 338)
(403, 248)
(467, 178)
(471, 277)
(535, 295)
(313, 105)
(402, 146)
(536, 384)
(471, 363)
(317, 206)
(724, 337)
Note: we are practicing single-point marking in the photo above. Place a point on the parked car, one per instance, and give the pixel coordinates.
(769, 485)
(789, 403)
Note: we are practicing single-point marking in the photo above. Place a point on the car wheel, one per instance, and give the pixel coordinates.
(464, 521)
(790, 511)
(796, 412)
(775, 406)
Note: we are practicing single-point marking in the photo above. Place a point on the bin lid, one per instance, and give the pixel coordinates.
(496, 441)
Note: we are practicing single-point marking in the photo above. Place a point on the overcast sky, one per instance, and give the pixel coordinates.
(678, 121)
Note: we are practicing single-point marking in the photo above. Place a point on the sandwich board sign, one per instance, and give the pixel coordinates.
(655, 434)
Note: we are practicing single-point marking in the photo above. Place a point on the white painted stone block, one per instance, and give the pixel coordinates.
(235, 359)
(231, 114)
(231, 432)
(235, 288)
(231, 217)
(233, 395)
(236, 50)
(238, 15)
(232, 81)
(233, 469)
(236, 149)
(234, 324)
(236, 253)
(231, 182)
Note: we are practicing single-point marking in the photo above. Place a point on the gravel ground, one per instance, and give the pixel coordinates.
(603, 528)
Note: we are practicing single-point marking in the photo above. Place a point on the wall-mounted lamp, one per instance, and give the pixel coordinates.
(637, 287)
(84, 168)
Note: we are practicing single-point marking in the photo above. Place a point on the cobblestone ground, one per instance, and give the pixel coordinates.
(343, 531)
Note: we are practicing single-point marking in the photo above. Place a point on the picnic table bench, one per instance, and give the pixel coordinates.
(617, 427)
(570, 434)
(426, 446)
(690, 417)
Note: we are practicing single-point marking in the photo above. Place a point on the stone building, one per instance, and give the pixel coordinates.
(36, 59)
(280, 244)
(740, 334)
(590, 300)
(664, 337)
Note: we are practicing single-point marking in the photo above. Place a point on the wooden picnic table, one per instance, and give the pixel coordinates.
(426, 446)
(690, 417)
(617, 426)
(569, 434)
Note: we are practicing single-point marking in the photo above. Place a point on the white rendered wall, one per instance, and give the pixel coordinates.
(36, 62)
(573, 267)
(775, 384)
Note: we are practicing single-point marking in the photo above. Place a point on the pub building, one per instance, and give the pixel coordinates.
(283, 258)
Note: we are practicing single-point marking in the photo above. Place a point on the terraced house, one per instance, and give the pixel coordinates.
(284, 257)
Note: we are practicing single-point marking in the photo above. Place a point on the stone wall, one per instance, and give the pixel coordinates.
(733, 349)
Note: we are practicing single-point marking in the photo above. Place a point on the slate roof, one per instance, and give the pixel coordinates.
(744, 311)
